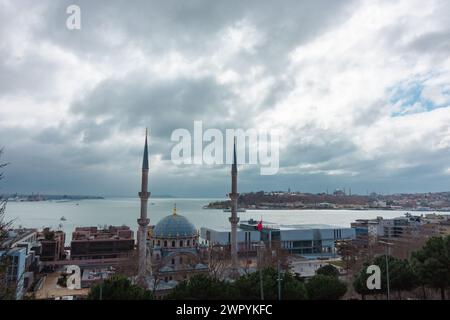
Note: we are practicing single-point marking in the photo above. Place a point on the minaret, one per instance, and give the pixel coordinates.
(234, 218)
(143, 221)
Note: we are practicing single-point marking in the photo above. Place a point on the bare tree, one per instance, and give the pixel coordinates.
(354, 255)
(219, 261)
(275, 255)
(4, 225)
(156, 275)
(7, 287)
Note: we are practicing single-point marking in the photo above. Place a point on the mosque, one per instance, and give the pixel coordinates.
(170, 251)
(175, 251)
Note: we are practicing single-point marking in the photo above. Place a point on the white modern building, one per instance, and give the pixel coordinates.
(305, 240)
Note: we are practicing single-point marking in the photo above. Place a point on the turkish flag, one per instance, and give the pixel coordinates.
(259, 226)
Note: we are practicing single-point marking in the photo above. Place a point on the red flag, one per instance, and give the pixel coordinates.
(259, 226)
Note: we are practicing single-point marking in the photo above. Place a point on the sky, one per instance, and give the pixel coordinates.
(359, 92)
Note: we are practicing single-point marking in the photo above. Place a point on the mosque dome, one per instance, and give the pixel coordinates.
(200, 266)
(174, 225)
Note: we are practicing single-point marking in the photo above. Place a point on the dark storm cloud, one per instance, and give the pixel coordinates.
(162, 106)
(191, 25)
(322, 148)
(51, 135)
(78, 151)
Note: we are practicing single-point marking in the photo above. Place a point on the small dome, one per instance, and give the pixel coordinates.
(173, 226)
(200, 266)
(166, 269)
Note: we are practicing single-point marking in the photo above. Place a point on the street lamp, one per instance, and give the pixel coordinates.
(386, 246)
(279, 278)
(260, 246)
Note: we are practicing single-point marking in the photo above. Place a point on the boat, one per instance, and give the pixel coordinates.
(63, 218)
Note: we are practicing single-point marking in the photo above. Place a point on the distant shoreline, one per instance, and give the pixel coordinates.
(335, 209)
(339, 200)
(47, 197)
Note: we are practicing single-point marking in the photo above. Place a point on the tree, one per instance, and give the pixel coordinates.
(328, 270)
(204, 287)
(432, 264)
(218, 261)
(118, 287)
(7, 288)
(401, 276)
(292, 288)
(349, 252)
(360, 283)
(248, 286)
(4, 225)
(201, 287)
(322, 287)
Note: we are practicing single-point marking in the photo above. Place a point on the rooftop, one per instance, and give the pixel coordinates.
(50, 289)
(16, 235)
(110, 233)
(309, 226)
(270, 225)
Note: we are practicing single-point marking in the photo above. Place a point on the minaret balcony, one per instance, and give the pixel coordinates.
(144, 195)
(143, 222)
(233, 220)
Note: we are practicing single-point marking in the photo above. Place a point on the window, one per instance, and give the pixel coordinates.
(173, 244)
(302, 244)
(181, 260)
(159, 243)
(173, 261)
(188, 243)
(165, 243)
(181, 243)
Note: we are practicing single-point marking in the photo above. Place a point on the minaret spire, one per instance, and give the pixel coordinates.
(234, 220)
(143, 221)
(145, 157)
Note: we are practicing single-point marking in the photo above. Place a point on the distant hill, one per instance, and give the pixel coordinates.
(438, 201)
(47, 197)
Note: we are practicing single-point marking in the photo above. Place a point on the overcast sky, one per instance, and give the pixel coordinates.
(359, 91)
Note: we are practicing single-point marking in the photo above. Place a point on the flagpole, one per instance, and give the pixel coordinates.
(258, 248)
